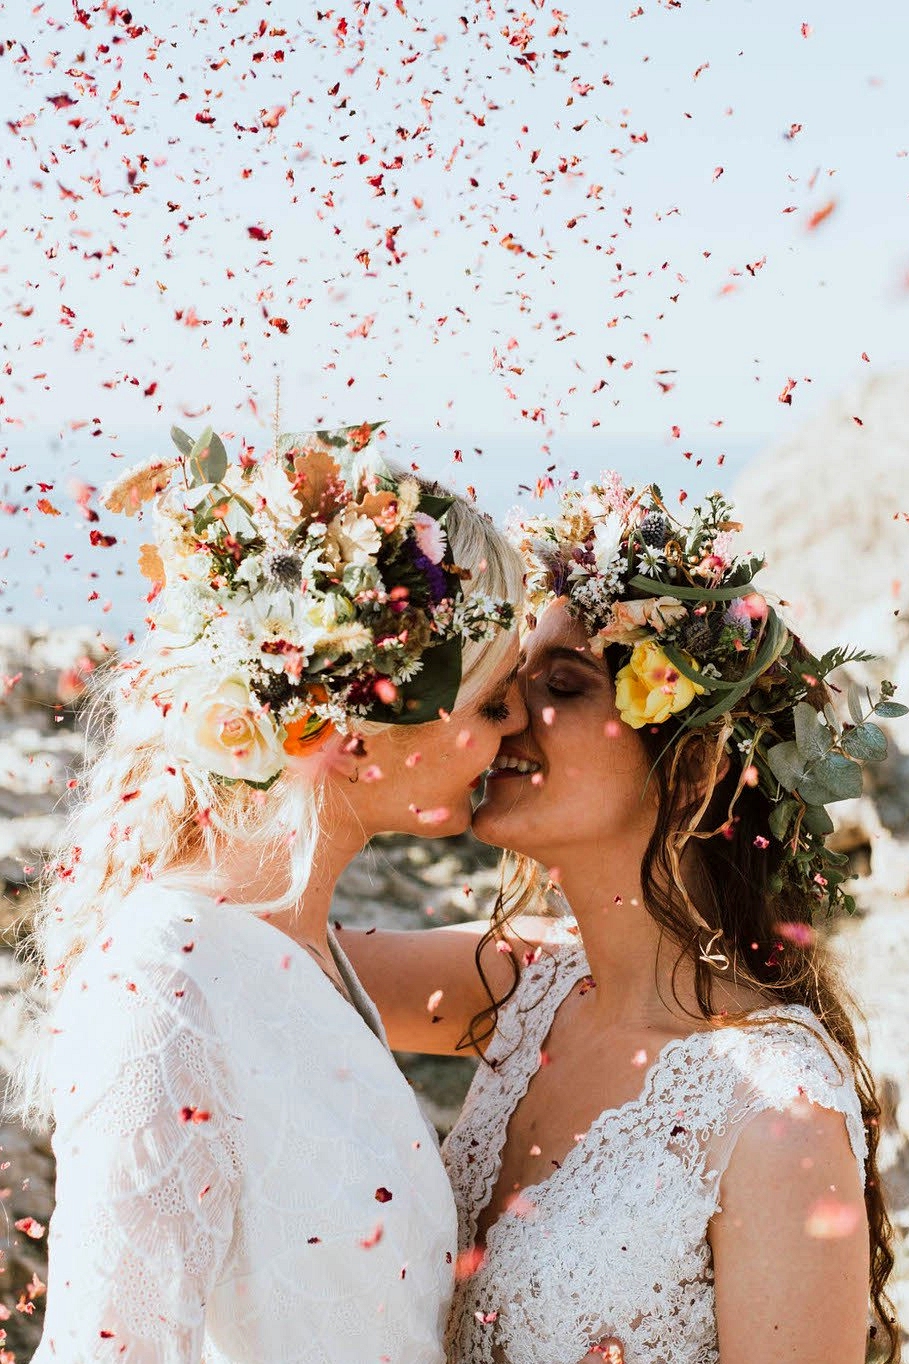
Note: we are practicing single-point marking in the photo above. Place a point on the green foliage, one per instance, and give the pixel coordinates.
(867, 742)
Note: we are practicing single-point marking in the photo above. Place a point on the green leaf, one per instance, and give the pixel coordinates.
(434, 688)
(833, 720)
(207, 459)
(868, 743)
(854, 701)
(646, 585)
(817, 821)
(781, 818)
(677, 659)
(786, 764)
(183, 442)
(772, 645)
(813, 738)
(836, 778)
(890, 710)
(434, 506)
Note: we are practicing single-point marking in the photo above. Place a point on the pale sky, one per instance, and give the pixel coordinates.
(571, 236)
(121, 272)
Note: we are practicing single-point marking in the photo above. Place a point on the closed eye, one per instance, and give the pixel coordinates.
(495, 711)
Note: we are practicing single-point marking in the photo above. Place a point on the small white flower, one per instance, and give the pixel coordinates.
(219, 727)
(651, 561)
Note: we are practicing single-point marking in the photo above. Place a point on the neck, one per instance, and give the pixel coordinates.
(246, 878)
(631, 964)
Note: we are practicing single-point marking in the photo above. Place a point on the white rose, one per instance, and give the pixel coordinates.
(358, 538)
(276, 489)
(222, 729)
(607, 538)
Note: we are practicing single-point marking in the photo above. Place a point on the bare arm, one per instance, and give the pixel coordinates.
(790, 1246)
(425, 982)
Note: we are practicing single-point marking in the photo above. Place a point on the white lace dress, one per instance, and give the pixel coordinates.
(244, 1176)
(614, 1242)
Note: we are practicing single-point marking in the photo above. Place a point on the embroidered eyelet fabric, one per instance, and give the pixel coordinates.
(243, 1172)
(614, 1242)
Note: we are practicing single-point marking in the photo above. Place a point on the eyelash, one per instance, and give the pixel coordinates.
(562, 691)
(495, 711)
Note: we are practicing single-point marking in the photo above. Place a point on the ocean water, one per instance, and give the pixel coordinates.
(51, 574)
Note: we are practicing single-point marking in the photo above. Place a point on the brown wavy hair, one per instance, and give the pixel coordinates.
(731, 893)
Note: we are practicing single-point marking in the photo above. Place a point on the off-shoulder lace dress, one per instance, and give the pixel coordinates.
(243, 1174)
(614, 1242)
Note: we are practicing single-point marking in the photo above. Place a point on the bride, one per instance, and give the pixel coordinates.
(667, 1154)
(243, 1174)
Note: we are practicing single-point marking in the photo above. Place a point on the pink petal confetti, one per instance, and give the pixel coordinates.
(831, 1219)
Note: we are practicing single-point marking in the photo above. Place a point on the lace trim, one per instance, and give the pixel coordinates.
(474, 1149)
(474, 1162)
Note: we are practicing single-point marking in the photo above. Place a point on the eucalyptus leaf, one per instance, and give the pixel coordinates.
(183, 442)
(237, 520)
(833, 720)
(813, 738)
(868, 743)
(781, 818)
(835, 778)
(785, 762)
(817, 821)
(207, 459)
(854, 701)
(890, 710)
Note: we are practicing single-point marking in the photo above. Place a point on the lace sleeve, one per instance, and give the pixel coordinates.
(147, 1167)
(781, 1065)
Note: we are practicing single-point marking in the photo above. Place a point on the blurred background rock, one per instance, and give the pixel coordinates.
(831, 509)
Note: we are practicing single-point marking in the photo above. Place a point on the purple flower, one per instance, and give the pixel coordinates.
(739, 617)
(435, 575)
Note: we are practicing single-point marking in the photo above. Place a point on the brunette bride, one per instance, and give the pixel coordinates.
(242, 1172)
(667, 1155)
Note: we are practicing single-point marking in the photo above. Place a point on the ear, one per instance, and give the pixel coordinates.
(347, 755)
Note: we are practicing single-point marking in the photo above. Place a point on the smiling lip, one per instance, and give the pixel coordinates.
(512, 765)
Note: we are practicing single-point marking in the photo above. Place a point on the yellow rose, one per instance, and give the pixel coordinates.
(649, 689)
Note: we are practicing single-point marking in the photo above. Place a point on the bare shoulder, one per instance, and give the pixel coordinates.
(790, 1243)
(791, 1151)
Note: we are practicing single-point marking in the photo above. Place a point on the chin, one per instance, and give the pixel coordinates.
(491, 827)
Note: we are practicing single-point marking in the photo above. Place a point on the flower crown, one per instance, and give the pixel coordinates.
(704, 645)
(309, 588)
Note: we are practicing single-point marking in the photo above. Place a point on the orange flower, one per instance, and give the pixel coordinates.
(359, 436)
(308, 732)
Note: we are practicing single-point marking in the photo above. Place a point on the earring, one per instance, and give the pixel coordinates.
(355, 778)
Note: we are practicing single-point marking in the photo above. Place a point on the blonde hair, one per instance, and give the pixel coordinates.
(141, 817)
